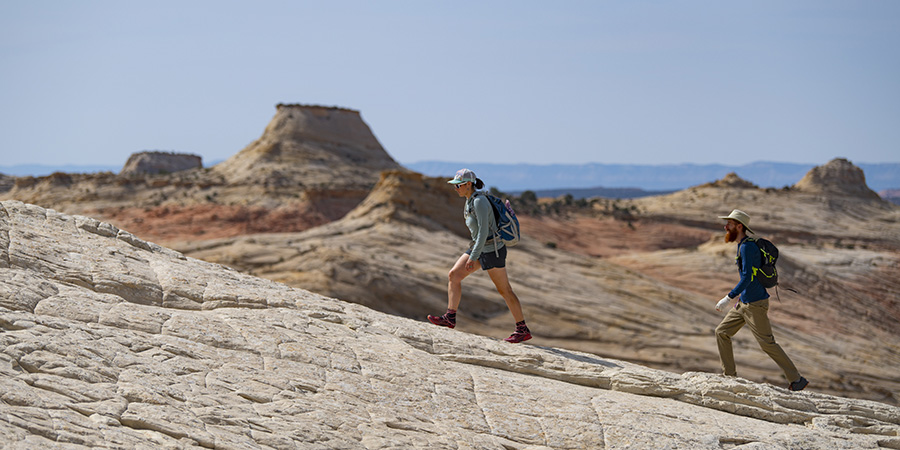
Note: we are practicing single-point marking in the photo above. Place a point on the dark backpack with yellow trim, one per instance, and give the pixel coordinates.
(766, 272)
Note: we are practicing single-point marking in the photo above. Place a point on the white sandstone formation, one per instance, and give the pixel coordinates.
(109, 341)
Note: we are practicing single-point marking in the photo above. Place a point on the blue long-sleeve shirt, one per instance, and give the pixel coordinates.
(749, 288)
(480, 219)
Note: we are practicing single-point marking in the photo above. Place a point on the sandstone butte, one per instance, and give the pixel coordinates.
(110, 341)
(311, 165)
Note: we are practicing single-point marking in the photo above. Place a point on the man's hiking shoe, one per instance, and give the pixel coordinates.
(518, 336)
(798, 385)
(442, 321)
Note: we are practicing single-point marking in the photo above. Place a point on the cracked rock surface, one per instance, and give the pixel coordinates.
(108, 341)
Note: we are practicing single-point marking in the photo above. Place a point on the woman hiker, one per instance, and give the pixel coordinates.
(487, 253)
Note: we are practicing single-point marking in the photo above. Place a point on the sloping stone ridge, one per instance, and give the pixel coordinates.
(109, 341)
(415, 199)
(838, 177)
(142, 163)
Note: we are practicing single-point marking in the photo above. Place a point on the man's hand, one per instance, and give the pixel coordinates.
(723, 303)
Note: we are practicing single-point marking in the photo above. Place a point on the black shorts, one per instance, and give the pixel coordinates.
(489, 260)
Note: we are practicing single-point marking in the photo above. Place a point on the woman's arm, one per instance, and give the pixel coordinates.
(485, 216)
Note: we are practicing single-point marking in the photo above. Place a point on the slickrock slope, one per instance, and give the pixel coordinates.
(652, 303)
(109, 341)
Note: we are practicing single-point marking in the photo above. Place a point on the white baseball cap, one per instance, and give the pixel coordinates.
(463, 176)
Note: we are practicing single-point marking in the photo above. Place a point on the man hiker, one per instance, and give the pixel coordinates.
(752, 307)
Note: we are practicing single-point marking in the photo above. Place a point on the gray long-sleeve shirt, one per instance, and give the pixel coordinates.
(480, 220)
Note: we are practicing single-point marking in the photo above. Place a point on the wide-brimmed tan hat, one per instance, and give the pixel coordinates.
(741, 217)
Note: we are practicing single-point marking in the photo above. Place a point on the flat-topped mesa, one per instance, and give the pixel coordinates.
(312, 145)
(838, 177)
(322, 123)
(155, 162)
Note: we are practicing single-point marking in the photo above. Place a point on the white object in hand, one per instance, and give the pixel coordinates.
(723, 303)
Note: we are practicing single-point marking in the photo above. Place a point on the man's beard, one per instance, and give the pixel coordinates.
(731, 235)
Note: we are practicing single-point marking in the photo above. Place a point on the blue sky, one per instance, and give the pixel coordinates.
(637, 82)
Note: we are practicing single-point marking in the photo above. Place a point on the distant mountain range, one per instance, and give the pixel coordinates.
(41, 170)
(573, 177)
(583, 180)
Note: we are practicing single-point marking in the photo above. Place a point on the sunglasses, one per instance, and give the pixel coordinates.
(457, 186)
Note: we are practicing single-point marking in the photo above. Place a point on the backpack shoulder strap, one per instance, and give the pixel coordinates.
(743, 243)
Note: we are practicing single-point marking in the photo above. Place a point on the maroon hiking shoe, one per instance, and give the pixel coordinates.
(518, 336)
(442, 321)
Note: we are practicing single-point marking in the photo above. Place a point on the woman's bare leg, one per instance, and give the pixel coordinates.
(456, 275)
(501, 282)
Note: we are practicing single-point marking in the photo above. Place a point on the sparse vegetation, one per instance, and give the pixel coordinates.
(528, 203)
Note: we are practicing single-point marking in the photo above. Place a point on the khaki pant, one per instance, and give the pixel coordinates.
(756, 316)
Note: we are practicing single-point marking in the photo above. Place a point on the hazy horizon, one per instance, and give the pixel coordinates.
(519, 82)
(522, 176)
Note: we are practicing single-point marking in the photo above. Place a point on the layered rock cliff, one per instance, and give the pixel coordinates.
(109, 341)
